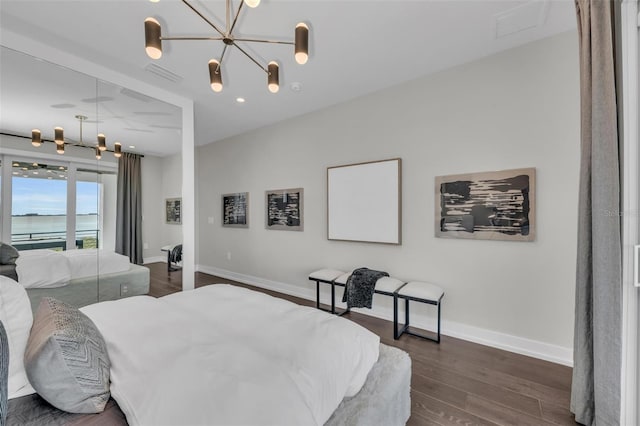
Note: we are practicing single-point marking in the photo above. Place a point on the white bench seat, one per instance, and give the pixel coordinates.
(325, 275)
(419, 292)
(385, 285)
(388, 285)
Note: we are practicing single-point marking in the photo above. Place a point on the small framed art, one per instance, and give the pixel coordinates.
(173, 211)
(235, 210)
(284, 209)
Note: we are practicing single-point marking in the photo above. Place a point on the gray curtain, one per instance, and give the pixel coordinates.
(595, 391)
(129, 208)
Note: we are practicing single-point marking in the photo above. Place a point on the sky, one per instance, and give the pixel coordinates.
(49, 197)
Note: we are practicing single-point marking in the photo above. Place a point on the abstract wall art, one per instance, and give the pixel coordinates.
(284, 209)
(235, 210)
(490, 205)
(173, 211)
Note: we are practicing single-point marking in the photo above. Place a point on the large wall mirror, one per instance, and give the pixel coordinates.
(59, 210)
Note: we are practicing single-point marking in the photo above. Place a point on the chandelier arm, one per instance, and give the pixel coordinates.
(222, 57)
(203, 17)
(251, 57)
(236, 18)
(192, 38)
(255, 40)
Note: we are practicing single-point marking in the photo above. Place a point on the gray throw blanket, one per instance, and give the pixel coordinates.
(358, 292)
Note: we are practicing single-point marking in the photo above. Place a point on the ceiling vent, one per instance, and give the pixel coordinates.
(163, 73)
(131, 129)
(135, 95)
(524, 17)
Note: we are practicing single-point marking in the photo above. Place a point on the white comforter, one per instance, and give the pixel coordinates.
(84, 263)
(42, 269)
(45, 268)
(225, 355)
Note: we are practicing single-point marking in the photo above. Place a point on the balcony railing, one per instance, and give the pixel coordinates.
(86, 238)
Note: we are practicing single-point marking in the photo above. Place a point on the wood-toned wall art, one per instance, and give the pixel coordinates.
(364, 202)
(489, 205)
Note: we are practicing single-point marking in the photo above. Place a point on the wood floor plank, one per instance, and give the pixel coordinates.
(500, 414)
(445, 414)
(558, 414)
(438, 390)
(486, 390)
(454, 383)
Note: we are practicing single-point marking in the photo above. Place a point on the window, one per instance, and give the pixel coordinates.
(38, 206)
(95, 209)
(48, 204)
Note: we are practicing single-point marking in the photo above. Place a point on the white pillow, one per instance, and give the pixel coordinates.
(42, 269)
(15, 314)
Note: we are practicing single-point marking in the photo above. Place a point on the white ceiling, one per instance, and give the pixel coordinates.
(357, 47)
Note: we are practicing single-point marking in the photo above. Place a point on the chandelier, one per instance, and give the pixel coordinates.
(36, 140)
(153, 44)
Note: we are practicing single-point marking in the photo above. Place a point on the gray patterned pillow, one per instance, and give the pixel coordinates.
(8, 254)
(66, 359)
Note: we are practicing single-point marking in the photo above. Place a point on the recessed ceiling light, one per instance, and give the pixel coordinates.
(61, 175)
(240, 100)
(35, 173)
(16, 164)
(132, 147)
(61, 168)
(24, 168)
(15, 173)
(35, 164)
(154, 1)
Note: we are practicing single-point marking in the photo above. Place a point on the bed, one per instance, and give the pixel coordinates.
(222, 354)
(79, 277)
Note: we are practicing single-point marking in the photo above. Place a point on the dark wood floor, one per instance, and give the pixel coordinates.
(453, 383)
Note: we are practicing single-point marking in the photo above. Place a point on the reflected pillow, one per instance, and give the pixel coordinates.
(15, 314)
(8, 254)
(66, 359)
(9, 271)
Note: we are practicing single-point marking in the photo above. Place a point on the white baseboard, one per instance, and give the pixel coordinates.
(154, 259)
(520, 345)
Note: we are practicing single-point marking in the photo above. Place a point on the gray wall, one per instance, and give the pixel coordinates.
(519, 108)
(161, 179)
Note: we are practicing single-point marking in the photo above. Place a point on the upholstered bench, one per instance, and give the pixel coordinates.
(326, 276)
(418, 292)
(385, 285)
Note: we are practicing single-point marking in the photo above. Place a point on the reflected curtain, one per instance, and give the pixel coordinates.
(129, 208)
(595, 391)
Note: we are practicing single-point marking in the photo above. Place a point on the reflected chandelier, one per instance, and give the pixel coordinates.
(153, 44)
(59, 139)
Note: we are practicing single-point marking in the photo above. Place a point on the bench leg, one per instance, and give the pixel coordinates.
(406, 312)
(395, 317)
(438, 324)
(318, 295)
(405, 328)
(333, 302)
(333, 298)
